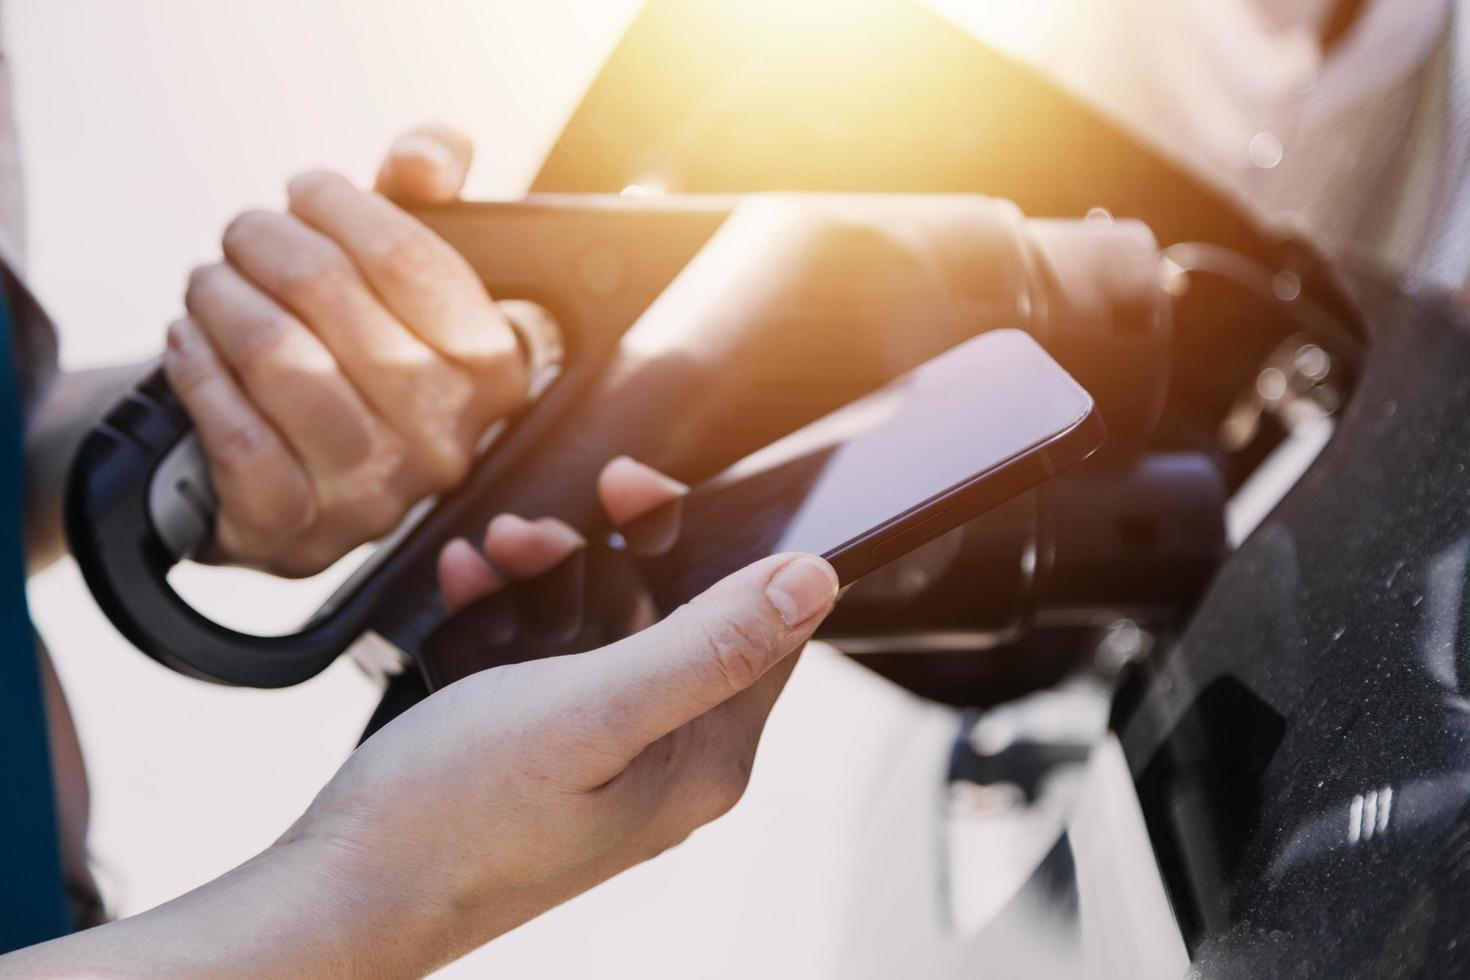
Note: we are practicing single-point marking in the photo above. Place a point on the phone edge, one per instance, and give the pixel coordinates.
(1025, 470)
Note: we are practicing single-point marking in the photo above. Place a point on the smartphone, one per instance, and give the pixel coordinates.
(955, 437)
(883, 475)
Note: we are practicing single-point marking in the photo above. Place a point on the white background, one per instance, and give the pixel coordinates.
(146, 125)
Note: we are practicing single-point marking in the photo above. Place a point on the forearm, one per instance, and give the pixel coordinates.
(292, 911)
(76, 401)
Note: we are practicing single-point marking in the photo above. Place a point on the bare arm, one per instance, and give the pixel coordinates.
(290, 911)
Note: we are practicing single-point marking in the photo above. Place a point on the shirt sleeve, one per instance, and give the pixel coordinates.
(33, 338)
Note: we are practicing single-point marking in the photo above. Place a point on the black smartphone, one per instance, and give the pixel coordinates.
(953, 438)
(883, 475)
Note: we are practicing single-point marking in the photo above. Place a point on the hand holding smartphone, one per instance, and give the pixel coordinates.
(879, 477)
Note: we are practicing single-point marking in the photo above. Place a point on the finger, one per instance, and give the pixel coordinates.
(547, 561)
(524, 549)
(709, 650)
(645, 506)
(262, 488)
(434, 404)
(426, 283)
(465, 575)
(286, 371)
(428, 163)
(629, 489)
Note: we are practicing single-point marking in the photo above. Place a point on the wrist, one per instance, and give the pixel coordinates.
(363, 912)
(400, 901)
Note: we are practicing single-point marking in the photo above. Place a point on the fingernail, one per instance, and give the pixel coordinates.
(549, 529)
(426, 148)
(430, 169)
(559, 532)
(653, 476)
(802, 589)
(509, 524)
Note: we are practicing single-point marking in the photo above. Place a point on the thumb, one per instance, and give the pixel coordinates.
(427, 164)
(708, 650)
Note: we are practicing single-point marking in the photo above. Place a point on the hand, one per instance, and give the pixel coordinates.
(341, 361)
(501, 795)
(512, 790)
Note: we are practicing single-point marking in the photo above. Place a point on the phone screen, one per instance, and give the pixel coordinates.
(887, 472)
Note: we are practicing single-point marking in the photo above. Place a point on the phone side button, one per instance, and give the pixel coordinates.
(909, 537)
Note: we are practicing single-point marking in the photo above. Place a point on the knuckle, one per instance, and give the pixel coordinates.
(314, 274)
(735, 649)
(255, 342)
(410, 258)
